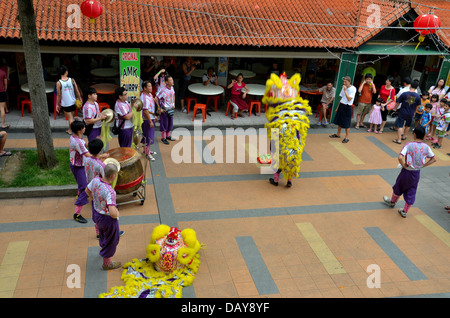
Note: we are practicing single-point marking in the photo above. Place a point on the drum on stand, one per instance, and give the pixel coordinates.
(131, 171)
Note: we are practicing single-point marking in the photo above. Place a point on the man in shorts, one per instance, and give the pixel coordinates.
(408, 102)
(366, 91)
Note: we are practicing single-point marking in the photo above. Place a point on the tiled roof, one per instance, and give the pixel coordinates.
(441, 8)
(247, 23)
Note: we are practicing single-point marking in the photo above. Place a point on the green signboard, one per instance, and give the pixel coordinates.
(130, 72)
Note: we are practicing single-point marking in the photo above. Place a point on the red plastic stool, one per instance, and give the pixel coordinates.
(202, 107)
(215, 99)
(228, 107)
(258, 107)
(26, 103)
(21, 97)
(188, 101)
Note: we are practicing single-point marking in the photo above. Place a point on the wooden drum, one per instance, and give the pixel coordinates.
(131, 171)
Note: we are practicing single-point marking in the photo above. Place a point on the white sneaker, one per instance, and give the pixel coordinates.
(402, 213)
(184, 110)
(153, 153)
(150, 157)
(388, 201)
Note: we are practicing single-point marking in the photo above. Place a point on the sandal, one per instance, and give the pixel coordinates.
(334, 136)
(345, 140)
(380, 131)
(6, 154)
(404, 138)
(447, 207)
(396, 141)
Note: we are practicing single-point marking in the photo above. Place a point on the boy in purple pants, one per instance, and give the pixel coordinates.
(103, 197)
(77, 152)
(166, 97)
(412, 158)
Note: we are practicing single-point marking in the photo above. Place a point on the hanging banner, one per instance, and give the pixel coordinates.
(222, 71)
(130, 72)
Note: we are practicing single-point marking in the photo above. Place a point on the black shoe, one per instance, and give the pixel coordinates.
(164, 141)
(170, 138)
(79, 218)
(273, 182)
(289, 184)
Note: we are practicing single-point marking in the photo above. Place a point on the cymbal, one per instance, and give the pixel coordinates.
(113, 161)
(138, 104)
(109, 115)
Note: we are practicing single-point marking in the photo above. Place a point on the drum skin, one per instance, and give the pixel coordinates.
(131, 171)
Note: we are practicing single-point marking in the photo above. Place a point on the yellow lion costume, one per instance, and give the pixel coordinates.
(287, 116)
(171, 264)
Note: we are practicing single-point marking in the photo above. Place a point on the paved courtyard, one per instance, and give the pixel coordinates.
(323, 237)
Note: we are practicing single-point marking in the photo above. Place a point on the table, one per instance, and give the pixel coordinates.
(256, 89)
(105, 88)
(245, 73)
(200, 89)
(105, 72)
(49, 87)
(208, 90)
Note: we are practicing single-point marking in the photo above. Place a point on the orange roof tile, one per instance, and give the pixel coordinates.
(247, 23)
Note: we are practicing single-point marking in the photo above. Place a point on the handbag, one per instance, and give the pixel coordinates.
(391, 105)
(88, 129)
(116, 129)
(170, 112)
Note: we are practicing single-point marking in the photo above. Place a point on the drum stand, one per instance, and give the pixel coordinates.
(139, 193)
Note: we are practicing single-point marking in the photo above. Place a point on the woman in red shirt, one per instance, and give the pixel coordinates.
(387, 91)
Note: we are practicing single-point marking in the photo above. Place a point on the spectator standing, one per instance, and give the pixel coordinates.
(387, 93)
(408, 102)
(328, 93)
(366, 90)
(442, 126)
(187, 68)
(3, 97)
(343, 117)
(438, 88)
(67, 93)
(421, 108)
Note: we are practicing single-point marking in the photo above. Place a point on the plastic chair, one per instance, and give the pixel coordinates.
(26, 103)
(215, 99)
(202, 107)
(21, 97)
(228, 108)
(256, 103)
(188, 101)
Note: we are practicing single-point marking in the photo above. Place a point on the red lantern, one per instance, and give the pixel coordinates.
(426, 24)
(92, 9)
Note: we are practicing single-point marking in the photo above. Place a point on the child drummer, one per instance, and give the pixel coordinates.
(77, 153)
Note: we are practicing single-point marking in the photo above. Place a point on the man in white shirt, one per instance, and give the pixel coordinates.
(344, 111)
